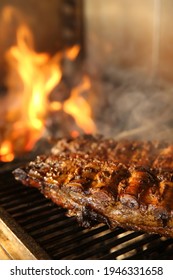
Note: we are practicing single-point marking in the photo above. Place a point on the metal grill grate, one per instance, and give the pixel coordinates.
(62, 238)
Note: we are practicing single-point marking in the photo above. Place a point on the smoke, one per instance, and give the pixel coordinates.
(131, 105)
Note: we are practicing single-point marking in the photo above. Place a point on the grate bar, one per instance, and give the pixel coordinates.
(84, 245)
(152, 249)
(136, 244)
(35, 224)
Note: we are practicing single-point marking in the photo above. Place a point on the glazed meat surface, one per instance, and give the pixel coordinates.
(106, 183)
(144, 153)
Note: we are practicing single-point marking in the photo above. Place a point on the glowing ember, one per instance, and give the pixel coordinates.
(32, 77)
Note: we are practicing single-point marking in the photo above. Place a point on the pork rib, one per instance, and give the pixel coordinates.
(102, 190)
(144, 153)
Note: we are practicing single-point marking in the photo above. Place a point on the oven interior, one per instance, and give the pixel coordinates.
(125, 64)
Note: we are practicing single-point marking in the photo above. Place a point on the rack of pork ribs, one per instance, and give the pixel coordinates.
(123, 183)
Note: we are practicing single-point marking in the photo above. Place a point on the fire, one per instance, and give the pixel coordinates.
(6, 153)
(38, 74)
(79, 108)
(32, 77)
(73, 52)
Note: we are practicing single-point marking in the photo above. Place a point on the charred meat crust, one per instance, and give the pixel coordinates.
(153, 154)
(99, 189)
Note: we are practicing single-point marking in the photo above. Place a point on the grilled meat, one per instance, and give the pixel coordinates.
(94, 188)
(143, 153)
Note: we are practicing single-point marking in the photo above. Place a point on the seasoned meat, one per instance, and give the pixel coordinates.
(143, 153)
(97, 189)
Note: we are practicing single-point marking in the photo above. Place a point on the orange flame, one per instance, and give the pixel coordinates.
(38, 75)
(31, 78)
(79, 108)
(73, 52)
(6, 153)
